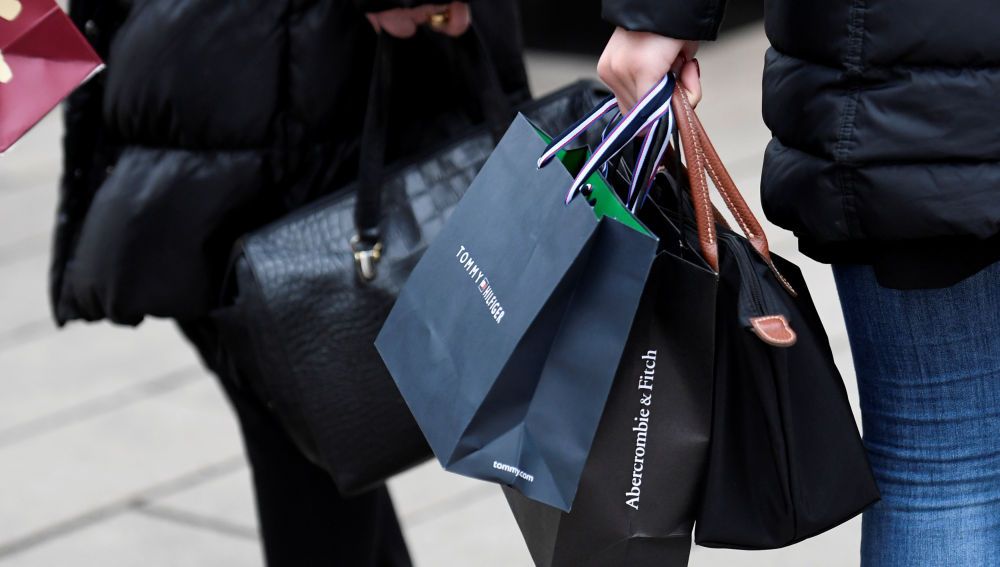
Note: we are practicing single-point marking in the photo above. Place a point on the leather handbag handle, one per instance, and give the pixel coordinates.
(475, 64)
(698, 184)
(702, 158)
(672, 155)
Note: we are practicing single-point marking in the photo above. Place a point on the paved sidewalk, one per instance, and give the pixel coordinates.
(117, 449)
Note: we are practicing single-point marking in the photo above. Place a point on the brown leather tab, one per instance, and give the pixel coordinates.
(774, 330)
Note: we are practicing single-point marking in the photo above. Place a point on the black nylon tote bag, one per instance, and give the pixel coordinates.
(505, 340)
(786, 460)
(306, 297)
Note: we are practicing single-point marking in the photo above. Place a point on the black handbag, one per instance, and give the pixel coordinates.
(786, 461)
(309, 293)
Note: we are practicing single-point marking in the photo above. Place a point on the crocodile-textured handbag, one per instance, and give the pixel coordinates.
(309, 293)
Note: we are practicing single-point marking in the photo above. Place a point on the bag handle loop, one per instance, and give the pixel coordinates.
(475, 63)
(651, 154)
(703, 158)
(653, 106)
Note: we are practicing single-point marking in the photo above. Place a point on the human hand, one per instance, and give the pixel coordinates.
(450, 19)
(634, 62)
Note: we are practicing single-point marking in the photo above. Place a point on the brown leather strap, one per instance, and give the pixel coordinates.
(719, 219)
(705, 156)
(700, 199)
(735, 202)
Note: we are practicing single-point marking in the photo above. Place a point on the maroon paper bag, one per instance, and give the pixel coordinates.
(43, 57)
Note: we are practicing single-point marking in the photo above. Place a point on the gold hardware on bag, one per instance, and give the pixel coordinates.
(365, 259)
(5, 73)
(10, 10)
(440, 19)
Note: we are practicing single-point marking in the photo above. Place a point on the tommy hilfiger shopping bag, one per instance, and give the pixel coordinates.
(506, 338)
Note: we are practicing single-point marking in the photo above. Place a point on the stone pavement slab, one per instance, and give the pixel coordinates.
(427, 492)
(836, 548)
(86, 367)
(103, 463)
(30, 161)
(23, 297)
(35, 207)
(135, 539)
(479, 532)
(224, 501)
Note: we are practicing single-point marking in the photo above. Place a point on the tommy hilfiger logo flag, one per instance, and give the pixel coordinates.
(485, 289)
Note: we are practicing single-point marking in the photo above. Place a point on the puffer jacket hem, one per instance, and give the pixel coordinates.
(691, 20)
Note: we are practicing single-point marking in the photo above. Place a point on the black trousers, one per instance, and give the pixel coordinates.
(304, 521)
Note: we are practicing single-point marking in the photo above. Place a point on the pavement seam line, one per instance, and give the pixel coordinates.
(115, 508)
(195, 520)
(24, 333)
(101, 405)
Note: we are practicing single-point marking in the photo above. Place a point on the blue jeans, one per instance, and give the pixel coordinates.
(928, 367)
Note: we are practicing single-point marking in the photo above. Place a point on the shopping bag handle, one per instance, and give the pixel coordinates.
(648, 111)
(702, 158)
(577, 129)
(651, 154)
(653, 106)
(476, 64)
(648, 160)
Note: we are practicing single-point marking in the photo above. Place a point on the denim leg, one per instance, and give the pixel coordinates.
(928, 367)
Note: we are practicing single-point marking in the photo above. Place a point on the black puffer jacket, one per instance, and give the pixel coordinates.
(217, 116)
(884, 122)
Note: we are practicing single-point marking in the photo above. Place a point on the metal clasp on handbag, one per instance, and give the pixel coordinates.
(366, 257)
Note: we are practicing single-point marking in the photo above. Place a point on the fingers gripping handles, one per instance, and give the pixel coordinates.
(702, 159)
(656, 113)
(648, 112)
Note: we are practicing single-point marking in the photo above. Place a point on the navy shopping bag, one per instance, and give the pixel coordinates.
(641, 487)
(505, 340)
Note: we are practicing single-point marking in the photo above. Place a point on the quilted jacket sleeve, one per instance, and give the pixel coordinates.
(681, 19)
(369, 6)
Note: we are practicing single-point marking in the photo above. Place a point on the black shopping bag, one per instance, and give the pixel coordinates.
(786, 460)
(505, 340)
(639, 491)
